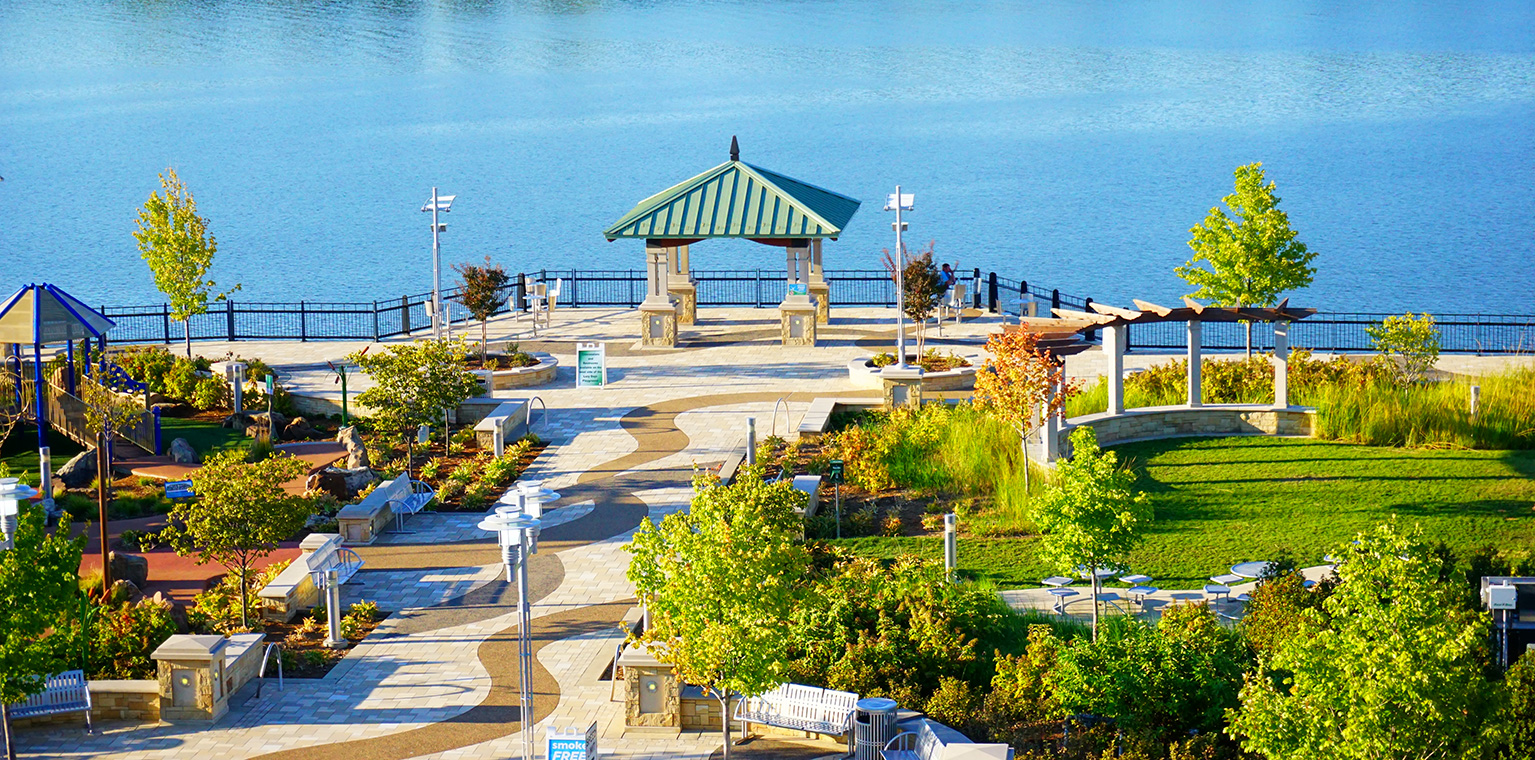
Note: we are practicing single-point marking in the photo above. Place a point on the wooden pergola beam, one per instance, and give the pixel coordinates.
(1095, 319)
(1161, 311)
(1198, 307)
(1115, 311)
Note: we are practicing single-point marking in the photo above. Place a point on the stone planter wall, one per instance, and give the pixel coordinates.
(521, 377)
(110, 700)
(865, 375)
(1152, 423)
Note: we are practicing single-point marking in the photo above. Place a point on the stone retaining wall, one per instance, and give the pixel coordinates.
(1151, 423)
(110, 700)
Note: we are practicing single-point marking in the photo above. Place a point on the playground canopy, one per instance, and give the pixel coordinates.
(37, 315)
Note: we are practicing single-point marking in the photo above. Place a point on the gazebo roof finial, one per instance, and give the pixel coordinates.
(735, 149)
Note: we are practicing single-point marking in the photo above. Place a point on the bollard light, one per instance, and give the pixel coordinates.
(12, 492)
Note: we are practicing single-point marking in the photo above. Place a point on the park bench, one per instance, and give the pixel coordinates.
(361, 523)
(408, 497)
(801, 708)
(925, 744)
(66, 692)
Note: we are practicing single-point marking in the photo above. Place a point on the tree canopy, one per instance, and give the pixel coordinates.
(39, 583)
(1021, 385)
(414, 383)
(482, 293)
(1251, 258)
(174, 241)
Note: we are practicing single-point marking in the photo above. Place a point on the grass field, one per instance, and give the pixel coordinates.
(1227, 500)
(204, 436)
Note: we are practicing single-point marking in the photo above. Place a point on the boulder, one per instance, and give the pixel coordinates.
(237, 421)
(182, 452)
(356, 451)
(129, 567)
(277, 417)
(259, 430)
(178, 612)
(124, 592)
(329, 481)
(299, 429)
(79, 471)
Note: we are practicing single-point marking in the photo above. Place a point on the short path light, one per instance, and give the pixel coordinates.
(329, 581)
(12, 492)
(517, 532)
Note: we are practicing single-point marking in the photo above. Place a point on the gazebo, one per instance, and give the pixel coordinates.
(735, 200)
(37, 315)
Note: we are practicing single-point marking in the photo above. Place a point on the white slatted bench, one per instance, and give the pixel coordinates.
(801, 708)
(407, 497)
(66, 692)
(925, 744)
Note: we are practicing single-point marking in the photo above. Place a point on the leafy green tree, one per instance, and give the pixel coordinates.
(39, 584)
(1022, 385)
(415, 383)
(174, 242)
(1392, 667)
(1410, 341)
(922, 286)
(482, 293)
(1251, 258)
(1276, 611)
(240, 514)
(720, 582)
(1160, 682)
(1020, 703)
(1091, 516)
(1518, 714)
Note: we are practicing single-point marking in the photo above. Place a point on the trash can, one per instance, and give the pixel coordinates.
(873, 727)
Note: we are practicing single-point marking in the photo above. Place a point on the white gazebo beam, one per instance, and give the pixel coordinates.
(1082, 316)
(1114, 349)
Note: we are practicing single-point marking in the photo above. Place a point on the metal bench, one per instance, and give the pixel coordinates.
(801, 708)
(925, 744)
(408, 503)
(66, 692)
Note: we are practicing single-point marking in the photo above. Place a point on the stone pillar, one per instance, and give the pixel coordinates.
(820, 289)
(652, 695)
(1114, 349)
(903, 387)
(1281, 364)
(680, 285)
(192, 678)
(658, 312)
(797, 314)
(1050, 432)
(1196, 339)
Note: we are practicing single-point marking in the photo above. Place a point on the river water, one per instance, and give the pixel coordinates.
(1071, 143)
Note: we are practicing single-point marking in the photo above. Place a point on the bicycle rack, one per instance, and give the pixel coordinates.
(261, 672)
(787, 420)
(544, 419)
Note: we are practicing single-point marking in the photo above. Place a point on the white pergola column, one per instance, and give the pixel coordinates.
(1281, 364)
(1050, 431)
(1196, 340)
(797, 272)
(684, 266)
(817, 273)
(658, 313)
(657, 274)
(820, 290)
(1114, 349)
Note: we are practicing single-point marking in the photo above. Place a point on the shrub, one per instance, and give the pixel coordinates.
(1410, 342)
(364, 610)
(211, 393)
(217, 610)
(432, 470)
(125, 635)
(882, 359)
(891, 526)
(146, 364)
(450, 490)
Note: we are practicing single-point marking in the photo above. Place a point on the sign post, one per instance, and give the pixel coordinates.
(591, 365)
(834, 474)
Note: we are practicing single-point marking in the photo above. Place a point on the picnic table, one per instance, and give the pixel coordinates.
(1251, 569)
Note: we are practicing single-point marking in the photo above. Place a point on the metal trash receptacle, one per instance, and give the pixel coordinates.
(873, 727)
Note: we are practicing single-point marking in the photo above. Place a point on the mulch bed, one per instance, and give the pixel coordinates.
(450, 461)
(308, 657)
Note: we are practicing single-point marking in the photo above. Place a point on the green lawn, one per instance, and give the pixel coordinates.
(19, 451)
(1227, 500)
(204, 436)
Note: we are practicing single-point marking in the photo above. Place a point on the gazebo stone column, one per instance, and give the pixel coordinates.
(903, 387)
(1281, 362)
(1196, 340)
(191, 675)
(658, 313)
(680, 285)
(820, 289)
(797, 318)
(1114, 349)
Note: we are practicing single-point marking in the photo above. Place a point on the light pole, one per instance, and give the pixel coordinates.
(435, 204)
(516, 529)
(899, 202)
(12, 492)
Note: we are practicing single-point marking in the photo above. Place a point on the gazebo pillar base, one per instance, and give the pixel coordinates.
(658, 324)
(820, 295)
(903, 387)
(686, 295)
(797, 323)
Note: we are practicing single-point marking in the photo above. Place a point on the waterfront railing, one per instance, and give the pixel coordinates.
(407, 315)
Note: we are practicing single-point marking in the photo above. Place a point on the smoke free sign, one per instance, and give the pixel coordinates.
(570, 749)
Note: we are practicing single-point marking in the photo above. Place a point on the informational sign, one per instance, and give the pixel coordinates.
(834, 472)
(798, 289)
(178, 489)
(271, 384)
(571, 743)
(591, 365)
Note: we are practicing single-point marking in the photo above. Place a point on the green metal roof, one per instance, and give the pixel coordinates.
(737, 200)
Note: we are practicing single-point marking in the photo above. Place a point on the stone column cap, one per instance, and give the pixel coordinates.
(895, 372)
(798, 305)
(190, 647)
(669, 306)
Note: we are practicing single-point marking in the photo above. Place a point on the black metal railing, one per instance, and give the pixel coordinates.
(762, 288)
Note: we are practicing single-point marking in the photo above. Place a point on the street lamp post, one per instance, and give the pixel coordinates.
(516, 528)
(899, 202)
(12, 492)
(443, 204)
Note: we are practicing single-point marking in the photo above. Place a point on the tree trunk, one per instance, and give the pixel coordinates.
(1093, 571)
(725, 720)
(103, 478)
(1249, 325)
(244, 619)
(186, 331)
(484, 345)
(1023, 440)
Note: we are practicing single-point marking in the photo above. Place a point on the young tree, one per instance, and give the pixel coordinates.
(1410, 342)
(1394, 669)
(482, 293)
(1252, 258)
(415, 383)
(174, 241)
(39, 583)
(105, 413)
(922, 286)
(1091, 516)
(1021, 385)
(240, 514)
(721, 582)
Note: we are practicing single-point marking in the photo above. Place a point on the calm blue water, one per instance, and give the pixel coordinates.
(1069, 143)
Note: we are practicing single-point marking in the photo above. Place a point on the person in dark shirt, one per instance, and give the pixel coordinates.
(946, 277)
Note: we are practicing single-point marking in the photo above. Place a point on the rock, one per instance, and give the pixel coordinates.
(79, 471)
(277, 417)
(182, 452)
(129, 567)
(329, 481)
(356, 451)
(178, 613)
(124, 591)
(237, 421)
(259, 430)
(299, 429)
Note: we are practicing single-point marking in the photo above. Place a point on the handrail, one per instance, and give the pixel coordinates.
(618, 651)
(787, 419)
(261, 672)
(544, 419)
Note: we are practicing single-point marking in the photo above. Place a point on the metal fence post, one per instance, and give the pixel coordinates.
(303, 323)
(757, 290)
(165, 315)
(1087, 306)
(155, 412)
(405, 315)
(229, 313)
(991, 292)
(975, 289)
(573, 279)
(375, 321)
(1055, 301)
(521, 291)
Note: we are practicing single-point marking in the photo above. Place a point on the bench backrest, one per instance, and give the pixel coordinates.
(812, 703)
(67, 689)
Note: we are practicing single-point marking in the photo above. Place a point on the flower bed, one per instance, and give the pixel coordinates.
(941, 372)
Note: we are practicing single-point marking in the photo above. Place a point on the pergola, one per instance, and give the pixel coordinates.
(735, 200)
(38, 315)
(1063, 335)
